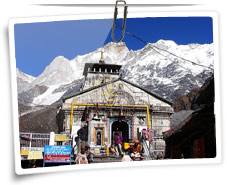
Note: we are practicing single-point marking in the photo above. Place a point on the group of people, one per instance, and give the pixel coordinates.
(135, 151)
(83, 155)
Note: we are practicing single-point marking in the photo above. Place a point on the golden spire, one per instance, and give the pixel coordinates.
(101, 61)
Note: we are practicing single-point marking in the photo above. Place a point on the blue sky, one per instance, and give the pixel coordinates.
(37, 44)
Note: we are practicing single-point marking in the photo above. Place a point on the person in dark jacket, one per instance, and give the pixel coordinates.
(83, 136)
(83, 133)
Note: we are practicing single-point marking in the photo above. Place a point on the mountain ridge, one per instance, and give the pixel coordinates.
(158, 71)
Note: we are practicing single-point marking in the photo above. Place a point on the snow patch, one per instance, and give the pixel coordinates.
(48, 97)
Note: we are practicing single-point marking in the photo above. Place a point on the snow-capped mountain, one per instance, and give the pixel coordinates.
(23, 81)
(58, 72)
(167, 74)
(151, 67)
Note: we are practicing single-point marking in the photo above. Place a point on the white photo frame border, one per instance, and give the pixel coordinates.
(132, 14)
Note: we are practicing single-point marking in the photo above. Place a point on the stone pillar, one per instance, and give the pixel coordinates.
(133, 127)
(52, 138)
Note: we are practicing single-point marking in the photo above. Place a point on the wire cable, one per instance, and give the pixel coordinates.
(155, 48)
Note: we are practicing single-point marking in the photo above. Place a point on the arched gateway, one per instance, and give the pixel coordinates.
(122, 128)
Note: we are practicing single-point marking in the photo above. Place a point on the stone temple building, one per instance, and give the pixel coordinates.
(107, 104)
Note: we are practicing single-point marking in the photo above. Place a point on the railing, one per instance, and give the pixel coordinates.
(39, 140)
(34, 139)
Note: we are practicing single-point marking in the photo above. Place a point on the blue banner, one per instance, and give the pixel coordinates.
(57, 150)
(57, 153)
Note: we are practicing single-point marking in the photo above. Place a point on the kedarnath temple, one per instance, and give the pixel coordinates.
(107, 104)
